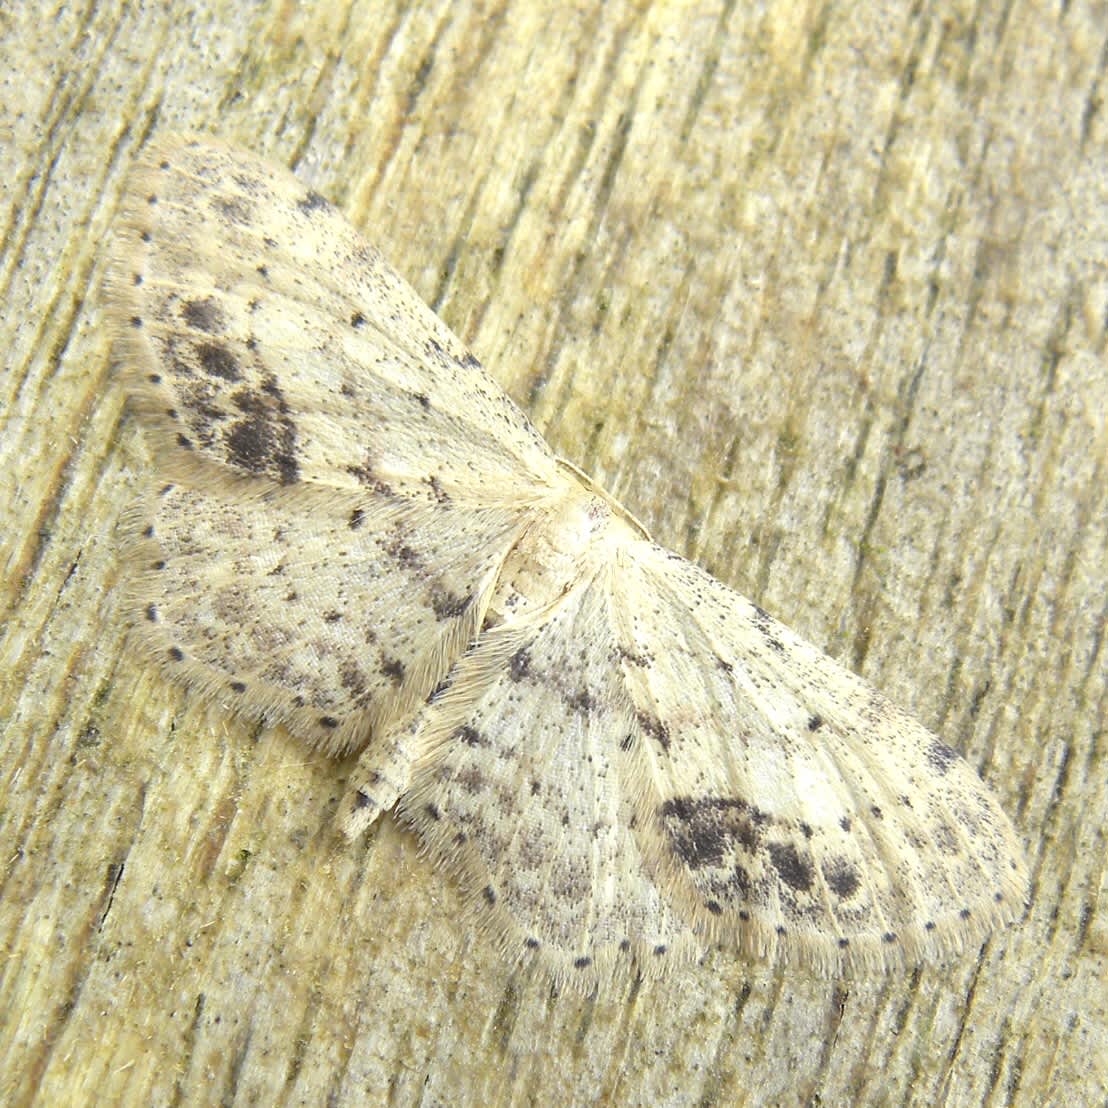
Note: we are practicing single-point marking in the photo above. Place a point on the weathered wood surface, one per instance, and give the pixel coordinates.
(820, 291)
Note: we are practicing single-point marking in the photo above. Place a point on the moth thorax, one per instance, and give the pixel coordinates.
(575, 526)
(552, 554)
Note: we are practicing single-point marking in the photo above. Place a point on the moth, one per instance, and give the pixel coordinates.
(356, 534)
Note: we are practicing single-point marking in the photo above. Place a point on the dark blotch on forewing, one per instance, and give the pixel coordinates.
(218, 361)
(841, 876)
(704, 831)
(217, 271)
(262, 441)
(232, 406)
(736, 855)
(792, 867)
(204, 314)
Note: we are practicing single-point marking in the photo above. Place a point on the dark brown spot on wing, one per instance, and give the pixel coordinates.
(581, 701)
(218, 361)
(442, 497)
(393, 669)
(365, 475)
(470, 736)
(264, 442)
(705, 831)
(794, 869)
(352, 679)
(204, 314)
(402, 552)
(654, 727)
(448, 605)
(841, 877)
(634, 657)
(519, 664)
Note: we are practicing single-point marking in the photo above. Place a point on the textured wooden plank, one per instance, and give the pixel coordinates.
(820, 292)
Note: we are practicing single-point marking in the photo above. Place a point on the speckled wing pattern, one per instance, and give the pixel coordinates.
(322, 547)
(358, 535)
(798, 808)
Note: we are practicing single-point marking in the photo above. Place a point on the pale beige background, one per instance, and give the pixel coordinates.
(819, 289)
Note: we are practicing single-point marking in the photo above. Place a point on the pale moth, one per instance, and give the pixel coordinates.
(355, 533)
